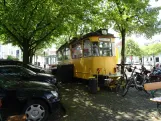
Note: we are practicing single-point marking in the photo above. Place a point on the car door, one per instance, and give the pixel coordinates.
(10, 102)
(10, 72)
(26, 74)
(15, 72)
(8, 96)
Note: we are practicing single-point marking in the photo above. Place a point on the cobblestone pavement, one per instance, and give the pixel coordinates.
(106, 105)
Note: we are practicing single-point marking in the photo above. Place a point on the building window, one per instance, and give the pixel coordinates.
(150, 59)
(157, 59)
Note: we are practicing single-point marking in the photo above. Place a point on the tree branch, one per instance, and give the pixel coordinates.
(38, 28)
(12, 34)
(41, 39)
(119, 8)
(32, 12)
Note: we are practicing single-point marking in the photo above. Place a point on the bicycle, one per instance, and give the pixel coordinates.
(121, 83)
(137, 80)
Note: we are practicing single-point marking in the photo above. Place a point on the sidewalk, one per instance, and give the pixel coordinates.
(106, 106)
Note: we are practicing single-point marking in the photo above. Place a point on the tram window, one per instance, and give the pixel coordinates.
(105, 48)
(95, 49)
(60, 57)
(113, 49)
(66, 53)
(77, 51)
(87, 48)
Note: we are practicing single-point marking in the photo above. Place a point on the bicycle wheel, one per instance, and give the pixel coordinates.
(126, 89)
(121, 84)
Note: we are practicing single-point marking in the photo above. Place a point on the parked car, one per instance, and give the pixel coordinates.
(29, 66)
(20, 73)
(35, 99)
(53, 69)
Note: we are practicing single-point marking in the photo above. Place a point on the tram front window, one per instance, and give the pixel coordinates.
(105, 48)
(95, 49)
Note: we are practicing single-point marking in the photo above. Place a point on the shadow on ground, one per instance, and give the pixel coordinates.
(105, 105)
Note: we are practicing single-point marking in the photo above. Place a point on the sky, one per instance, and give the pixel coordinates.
(141, 40)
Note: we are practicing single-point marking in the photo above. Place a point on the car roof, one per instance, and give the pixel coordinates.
(9, 60)
(10, 66)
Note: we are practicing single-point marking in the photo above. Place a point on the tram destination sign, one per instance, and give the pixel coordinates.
(105, 39)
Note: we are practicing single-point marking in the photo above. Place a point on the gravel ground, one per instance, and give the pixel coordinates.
(105, 105)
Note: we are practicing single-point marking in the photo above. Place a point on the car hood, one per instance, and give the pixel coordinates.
(34, 85)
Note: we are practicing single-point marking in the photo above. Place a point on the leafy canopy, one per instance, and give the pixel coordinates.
(132, 48)
(33, 23)
(152, 49)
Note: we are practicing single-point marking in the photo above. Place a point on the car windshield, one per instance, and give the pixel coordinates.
(29, 71)
(32, 66)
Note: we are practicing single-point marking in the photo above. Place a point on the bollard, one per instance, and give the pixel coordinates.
(93, 85)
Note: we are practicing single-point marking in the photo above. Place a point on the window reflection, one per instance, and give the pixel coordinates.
(95, 49)
(102, 48)
(105, 48)
(87, 48)
(77, 51)
(66, 53)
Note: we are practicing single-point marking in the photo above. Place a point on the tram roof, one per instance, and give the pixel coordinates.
(95, 33)
(98, 33)
(61, 47)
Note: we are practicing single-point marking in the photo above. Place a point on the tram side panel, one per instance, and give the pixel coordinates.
(85, 68)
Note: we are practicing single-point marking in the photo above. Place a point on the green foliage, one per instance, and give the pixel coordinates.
(10, 57)
(131, 16)
(132, 48)
(135, 16)
(152, 49)
(34, 24)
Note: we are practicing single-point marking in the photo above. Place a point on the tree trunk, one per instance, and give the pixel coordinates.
(123, 34)
(31, 58)
(25, 52)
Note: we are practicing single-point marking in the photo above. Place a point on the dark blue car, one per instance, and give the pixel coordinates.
(35, 99)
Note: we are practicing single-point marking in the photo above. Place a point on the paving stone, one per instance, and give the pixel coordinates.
(105, 105)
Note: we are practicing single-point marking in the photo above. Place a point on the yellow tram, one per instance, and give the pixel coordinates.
(91, 58)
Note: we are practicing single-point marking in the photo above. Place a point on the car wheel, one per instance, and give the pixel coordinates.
(36, 111)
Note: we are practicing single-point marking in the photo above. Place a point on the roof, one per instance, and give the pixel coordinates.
(94, 33)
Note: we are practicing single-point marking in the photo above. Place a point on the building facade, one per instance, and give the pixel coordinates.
(9, 50)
